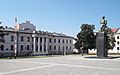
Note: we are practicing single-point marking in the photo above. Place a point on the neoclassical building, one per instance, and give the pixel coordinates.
(24, 39)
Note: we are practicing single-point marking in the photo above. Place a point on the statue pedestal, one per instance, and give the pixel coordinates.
(101, 45)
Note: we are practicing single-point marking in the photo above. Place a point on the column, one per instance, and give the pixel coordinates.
(46, 44)
(34, 46)
(38, 44)
(42, 44)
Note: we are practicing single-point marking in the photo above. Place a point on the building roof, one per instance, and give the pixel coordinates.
(114, 30)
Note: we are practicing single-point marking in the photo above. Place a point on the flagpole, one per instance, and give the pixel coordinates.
(15, 51)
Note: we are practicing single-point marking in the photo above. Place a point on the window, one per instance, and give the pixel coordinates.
(28, 39)
(12, 38)
(70, 41)
(44, 39)
(70, 47)
(32, 39)
(32, 46)
(22, 39)
(117, 37)
(63, 48)
(58, 40)
(21, 47)
(117, 42)
(66, 41)
(63, 41)
(40, 48)
(2, 47)
(118, 48)
(66, 47)
(40, 39)
(36, 39)
(50, 40)
(36, 48)
(44, 48)
(50, 48)
(54, 47)
(7, 49)
(58, 47)
(12, 47)
(54, 40)
(28, 48)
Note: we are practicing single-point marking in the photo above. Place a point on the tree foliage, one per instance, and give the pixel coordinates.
(2, 34)
(85, 38)
(110, 38)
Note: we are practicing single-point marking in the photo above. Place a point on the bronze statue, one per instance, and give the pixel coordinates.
(103, 23)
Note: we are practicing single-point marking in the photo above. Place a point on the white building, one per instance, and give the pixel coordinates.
(24, 39)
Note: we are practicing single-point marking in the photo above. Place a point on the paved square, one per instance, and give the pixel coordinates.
(60, 65)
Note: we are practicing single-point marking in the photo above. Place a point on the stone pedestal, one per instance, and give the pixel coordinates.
(101, 45)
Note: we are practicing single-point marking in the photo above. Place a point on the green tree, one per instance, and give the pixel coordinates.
(85, 38)
(110, 38)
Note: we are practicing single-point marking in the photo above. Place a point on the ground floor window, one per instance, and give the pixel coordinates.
(28, 47)
(50, 47)
(12, 47)
(21, 47)
(54, 47)
(2, 47)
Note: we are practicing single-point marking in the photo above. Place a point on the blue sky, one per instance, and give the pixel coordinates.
(62, 16)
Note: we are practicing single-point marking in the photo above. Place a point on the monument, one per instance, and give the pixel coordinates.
(102, 39)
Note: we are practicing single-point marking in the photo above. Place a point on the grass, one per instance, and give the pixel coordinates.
(24, 57)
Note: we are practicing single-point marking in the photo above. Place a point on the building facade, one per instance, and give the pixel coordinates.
(25, 40)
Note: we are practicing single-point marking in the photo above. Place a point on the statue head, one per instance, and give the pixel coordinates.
(103, 17)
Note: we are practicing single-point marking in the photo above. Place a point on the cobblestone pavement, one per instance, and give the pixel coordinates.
(60, 65)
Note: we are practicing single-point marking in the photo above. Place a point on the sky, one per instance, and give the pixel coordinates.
(62, 16)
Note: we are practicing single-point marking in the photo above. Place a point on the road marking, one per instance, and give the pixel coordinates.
(26, 69)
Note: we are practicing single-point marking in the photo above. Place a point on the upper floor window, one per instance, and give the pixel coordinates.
(44, 39)
(63, 41)
(58, 40)
(32, 39)
(36, 39)
(70, 41)
(117, 37)
(22, 38)
(54, 40)
(66, 41)
(40, 39)
(28, 39)
(12, 38)
(50, 40)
